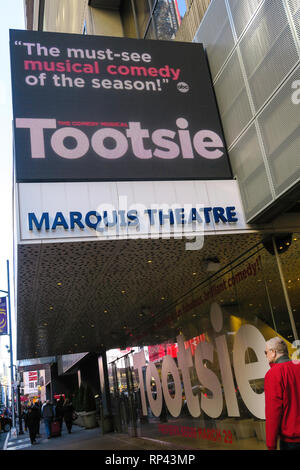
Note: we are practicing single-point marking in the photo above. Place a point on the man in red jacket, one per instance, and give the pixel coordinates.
(282, 396)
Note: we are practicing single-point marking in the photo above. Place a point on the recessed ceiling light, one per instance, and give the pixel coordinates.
(123, 291)
(51, 308)
(149, 261)
(59, 283)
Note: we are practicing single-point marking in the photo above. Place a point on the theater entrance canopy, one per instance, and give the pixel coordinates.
(86, 296)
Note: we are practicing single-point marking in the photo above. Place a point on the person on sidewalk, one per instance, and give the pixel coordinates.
(37, 409)
(32, 422)
(59, 411)
(48, 414)
(68, 414)
(25, 416)
(282, 392)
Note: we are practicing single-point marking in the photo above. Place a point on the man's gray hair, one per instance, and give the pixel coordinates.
(278, 345)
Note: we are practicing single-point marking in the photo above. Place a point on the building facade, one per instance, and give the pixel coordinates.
(190, 324)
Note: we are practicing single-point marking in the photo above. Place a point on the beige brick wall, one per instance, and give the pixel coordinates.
(192, 19)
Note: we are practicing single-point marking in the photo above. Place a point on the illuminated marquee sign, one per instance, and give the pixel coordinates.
(95, 108)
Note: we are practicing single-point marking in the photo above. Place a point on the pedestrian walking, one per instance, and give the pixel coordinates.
(37, 408)
(282, 392)
(59, 411)
(25, 417)
(32, 420)
(69, 413)
(48, 414)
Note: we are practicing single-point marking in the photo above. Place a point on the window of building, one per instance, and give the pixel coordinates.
(152, 19)
(222, 325)
(164, 19)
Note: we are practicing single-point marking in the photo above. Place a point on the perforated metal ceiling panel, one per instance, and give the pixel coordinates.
(268, 50)
(294, 8)
(216, 35)
(232, 99)
(242, 12)
(280, 123)
(75, 297)
(254, 90)
(248, 166)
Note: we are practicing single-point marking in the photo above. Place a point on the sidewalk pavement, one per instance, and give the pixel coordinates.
(85, 439)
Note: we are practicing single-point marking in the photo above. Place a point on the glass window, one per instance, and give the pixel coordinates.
(165, 19)
(290, 262)
(204, 377)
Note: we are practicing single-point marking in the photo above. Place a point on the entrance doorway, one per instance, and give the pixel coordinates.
(124, 395)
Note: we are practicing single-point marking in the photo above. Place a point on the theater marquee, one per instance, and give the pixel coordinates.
(128, 210)
(94, 108)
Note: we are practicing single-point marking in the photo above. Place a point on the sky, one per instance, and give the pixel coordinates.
(181, 7)
(11, 16)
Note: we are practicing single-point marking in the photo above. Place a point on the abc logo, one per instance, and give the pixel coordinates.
(183, 87)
